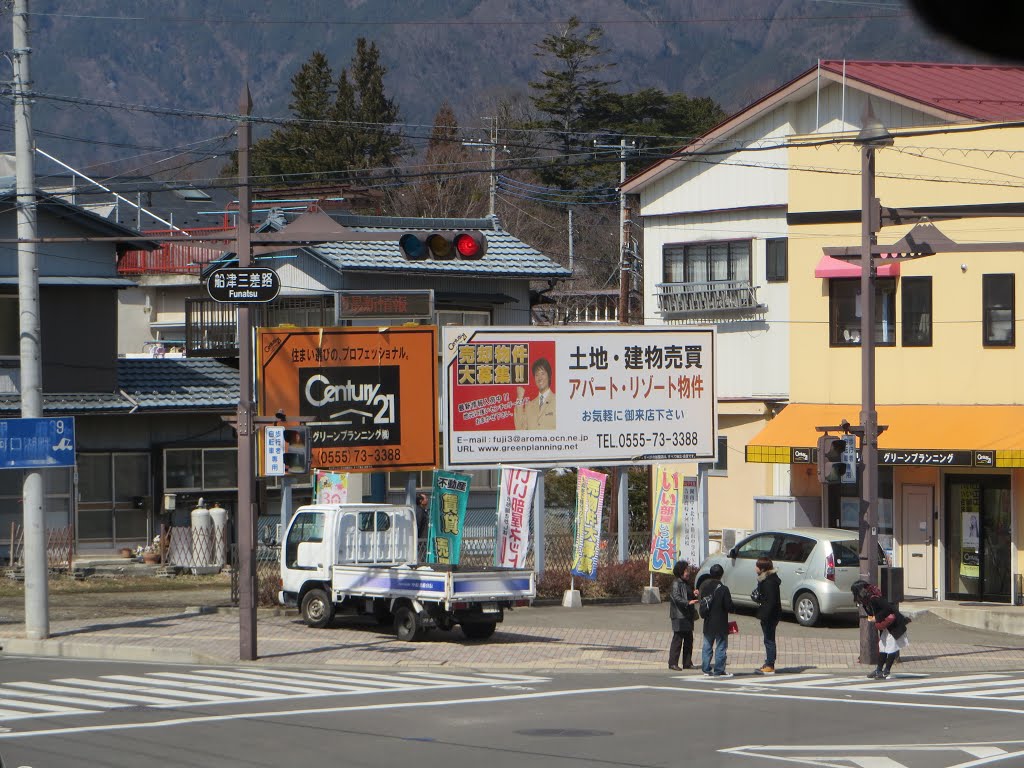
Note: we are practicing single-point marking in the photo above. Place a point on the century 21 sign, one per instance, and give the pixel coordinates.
(368, 395)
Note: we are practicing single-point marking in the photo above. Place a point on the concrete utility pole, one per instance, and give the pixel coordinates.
(246, 515)
(37, 613)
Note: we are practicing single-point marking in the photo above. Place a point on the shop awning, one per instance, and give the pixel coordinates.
(829, 267)
(917, 435)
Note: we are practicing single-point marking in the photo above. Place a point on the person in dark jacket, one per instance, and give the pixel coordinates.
(714, 606)
(682, 599)
(769, 610)
(890, 623)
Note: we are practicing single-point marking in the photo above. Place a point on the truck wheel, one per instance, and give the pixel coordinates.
(317, 608)
(479, 631)
(407, 624)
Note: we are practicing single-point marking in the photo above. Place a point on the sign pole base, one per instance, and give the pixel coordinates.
(650, 596)
(572, 599)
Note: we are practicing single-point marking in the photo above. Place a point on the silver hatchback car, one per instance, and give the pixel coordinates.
(817, 566)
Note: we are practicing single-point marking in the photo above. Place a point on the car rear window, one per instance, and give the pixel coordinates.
(847, 553)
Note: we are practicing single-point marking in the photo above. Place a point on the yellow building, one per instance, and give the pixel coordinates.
(949, 383)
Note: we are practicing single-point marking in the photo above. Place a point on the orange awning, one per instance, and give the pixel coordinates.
(921, 435)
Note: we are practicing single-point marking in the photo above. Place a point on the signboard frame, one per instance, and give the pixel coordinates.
(368, 394)
(618, 395)
(224, 280)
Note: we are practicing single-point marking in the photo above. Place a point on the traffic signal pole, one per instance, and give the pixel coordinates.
(872, 135)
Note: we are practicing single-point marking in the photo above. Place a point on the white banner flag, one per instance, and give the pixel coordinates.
(515, 506)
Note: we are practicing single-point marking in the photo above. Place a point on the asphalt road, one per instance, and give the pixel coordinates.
(254, 716)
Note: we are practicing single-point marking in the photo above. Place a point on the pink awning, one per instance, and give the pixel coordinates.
(829, 267)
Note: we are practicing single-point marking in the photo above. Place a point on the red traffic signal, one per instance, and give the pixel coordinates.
(443, 246)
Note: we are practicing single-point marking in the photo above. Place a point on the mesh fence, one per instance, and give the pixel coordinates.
(205, 549)
(476, 553)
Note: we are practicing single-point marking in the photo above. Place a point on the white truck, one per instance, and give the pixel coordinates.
(362, 558)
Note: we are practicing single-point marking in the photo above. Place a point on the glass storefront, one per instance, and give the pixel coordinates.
(978, 565)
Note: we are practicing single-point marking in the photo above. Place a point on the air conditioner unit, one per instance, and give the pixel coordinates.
(732, 536)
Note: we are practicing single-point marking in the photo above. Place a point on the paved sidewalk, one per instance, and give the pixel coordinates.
(594, 638)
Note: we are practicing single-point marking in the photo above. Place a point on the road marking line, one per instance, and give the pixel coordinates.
(198, 682)
(320, 711)
(934, 684)
(109, 684)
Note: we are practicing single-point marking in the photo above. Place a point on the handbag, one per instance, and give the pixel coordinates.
(734, 628)
(756, 594)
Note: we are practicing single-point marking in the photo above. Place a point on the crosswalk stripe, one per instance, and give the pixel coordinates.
(14, 698)
(799, 682)
(61, 689)
(19, 714)
(920, 683)
(57, 693)
(981, 686)
(306, 681)
(37, 706)
(109, 683)
(197, 682)
(265, 686)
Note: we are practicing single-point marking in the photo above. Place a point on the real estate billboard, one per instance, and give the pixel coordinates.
(572, 396)
(368, 395)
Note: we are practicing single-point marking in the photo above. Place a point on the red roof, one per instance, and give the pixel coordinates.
(976, 91)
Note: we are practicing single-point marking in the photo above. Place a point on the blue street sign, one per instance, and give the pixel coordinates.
(33, 443)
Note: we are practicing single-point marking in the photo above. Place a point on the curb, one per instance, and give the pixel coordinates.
(71, 649)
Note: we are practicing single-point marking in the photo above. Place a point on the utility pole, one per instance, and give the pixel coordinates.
(246, 515)
(624, 264)
(37, 609)
(871, 136)
(493, 145)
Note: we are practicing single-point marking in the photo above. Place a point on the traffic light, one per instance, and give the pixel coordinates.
(443, 246)
(831, 466)
(296, 450)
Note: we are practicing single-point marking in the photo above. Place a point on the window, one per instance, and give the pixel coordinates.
(367, 522)
(707, 262)
(757, 546)
(916, 298)
(9, 325)
(721, 466)
(795, 549)
(776, 261)
(997, 309)
(200, 469)
(453, 317)
(847, 554)
(307, 526)
(844, 312)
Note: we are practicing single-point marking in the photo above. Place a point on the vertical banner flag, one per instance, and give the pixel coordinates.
(691, 533)
(678, 527)
(447, 516)
(667, 509)
(515, 506)
(587, 529)
(331, 487)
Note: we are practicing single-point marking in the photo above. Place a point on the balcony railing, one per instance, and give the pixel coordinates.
(707, 298)
(175, 258)
(211, 328)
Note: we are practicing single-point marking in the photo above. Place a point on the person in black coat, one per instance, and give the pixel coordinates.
(714, 607)
(682, 599)
(890, 623)
(769, 610)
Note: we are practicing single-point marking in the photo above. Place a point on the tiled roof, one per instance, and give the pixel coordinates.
(507, 256)
(150, 385)
(975, 91)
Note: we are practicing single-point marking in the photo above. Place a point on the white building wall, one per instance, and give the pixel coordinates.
(752, 353)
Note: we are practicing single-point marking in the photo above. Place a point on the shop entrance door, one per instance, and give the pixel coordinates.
(917, 541)
(978, 537)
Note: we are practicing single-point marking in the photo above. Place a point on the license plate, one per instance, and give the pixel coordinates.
(489, 608)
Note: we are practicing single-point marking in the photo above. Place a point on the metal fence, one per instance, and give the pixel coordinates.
(195, 548)
(477, 552)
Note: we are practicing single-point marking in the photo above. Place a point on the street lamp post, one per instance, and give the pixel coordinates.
(871, 136)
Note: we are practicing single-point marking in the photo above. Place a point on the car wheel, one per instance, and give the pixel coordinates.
(806, 609)
(317, 608)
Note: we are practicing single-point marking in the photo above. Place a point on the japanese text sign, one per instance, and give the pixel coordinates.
(448, 500)
(587, 530)
(515, 511)
(574, 395)
(678, 526)
(370, 394)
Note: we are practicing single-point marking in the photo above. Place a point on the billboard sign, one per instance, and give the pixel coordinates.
(572, 396)
(370, 394)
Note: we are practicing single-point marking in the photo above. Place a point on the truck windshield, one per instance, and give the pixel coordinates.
(307, 526)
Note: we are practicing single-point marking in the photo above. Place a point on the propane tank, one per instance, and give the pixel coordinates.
(202, 535)
(219, 518)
